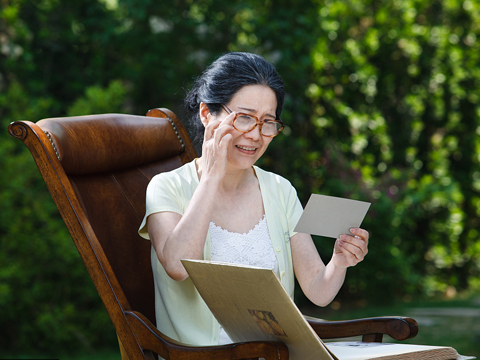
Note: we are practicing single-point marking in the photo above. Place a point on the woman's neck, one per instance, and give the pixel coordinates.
(234, 180)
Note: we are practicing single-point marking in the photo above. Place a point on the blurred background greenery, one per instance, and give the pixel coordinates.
(383, 105)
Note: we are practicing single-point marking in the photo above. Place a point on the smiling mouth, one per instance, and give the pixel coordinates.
(246, 148)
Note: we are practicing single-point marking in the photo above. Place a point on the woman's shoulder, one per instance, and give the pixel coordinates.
(185, 174)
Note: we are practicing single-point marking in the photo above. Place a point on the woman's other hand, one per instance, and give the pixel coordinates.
(349, 250)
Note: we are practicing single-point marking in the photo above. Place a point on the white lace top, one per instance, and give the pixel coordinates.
(253, 248)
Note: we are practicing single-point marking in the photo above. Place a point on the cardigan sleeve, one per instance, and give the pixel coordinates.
(163, 194)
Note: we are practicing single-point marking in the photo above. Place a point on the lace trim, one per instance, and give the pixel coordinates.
(219, 228)
(252, 248)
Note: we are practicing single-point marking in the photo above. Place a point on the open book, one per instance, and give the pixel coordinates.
(251, 304)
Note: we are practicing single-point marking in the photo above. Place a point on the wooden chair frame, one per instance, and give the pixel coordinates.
(133, 319)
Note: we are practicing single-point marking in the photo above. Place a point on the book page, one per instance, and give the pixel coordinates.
(251, 304)
(385, 351)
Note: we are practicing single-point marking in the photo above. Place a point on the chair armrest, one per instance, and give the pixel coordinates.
(151, 339)
(372, 329)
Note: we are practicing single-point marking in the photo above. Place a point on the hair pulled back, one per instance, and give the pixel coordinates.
(224, 77)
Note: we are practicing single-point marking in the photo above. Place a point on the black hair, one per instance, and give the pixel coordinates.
(224, 77)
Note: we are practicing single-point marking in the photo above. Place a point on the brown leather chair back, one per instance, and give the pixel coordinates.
(109, 160)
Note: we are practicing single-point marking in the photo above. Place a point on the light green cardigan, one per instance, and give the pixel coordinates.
(180, 311)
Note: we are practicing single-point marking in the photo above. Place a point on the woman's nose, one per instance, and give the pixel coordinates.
(254, 134)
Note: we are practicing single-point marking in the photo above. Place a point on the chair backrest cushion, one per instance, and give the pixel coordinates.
(107, 142)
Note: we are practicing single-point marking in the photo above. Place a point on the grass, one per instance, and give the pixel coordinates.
(106, 354)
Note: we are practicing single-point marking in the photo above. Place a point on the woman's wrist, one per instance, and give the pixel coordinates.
(336, 267)
(210, 182)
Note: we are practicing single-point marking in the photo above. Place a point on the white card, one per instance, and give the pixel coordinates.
(331, 216)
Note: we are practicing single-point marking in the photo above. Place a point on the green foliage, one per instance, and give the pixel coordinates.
(382, 105)
(47, 297)
(100, 101)
(396, 86)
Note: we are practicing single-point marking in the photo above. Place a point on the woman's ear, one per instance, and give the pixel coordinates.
(205, 114)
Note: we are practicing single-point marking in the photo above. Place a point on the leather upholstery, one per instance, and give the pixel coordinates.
(113, 145)
(114, 203)
(109, 160)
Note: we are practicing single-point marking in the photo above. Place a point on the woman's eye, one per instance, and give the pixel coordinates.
(246, 118)
(271, 124)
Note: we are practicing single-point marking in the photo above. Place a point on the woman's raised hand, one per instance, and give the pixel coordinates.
(218, 134)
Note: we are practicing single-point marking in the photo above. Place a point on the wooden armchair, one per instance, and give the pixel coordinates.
(97, 169)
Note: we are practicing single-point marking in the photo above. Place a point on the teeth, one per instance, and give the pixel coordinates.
(245, 148)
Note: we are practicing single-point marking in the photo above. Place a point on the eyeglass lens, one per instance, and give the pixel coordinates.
(247, 123)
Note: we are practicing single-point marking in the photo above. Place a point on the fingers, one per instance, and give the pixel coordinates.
(355, 248)
(222, 134)
(215, 145)
(361, 233)
(353, 253)
(345, 256)
(217, 128)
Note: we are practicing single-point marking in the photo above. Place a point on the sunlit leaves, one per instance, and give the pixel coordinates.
(98, 100)
(410, 63)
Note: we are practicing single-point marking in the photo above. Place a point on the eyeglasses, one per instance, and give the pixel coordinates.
(245, 123)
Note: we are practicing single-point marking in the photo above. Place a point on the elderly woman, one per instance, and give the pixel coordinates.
(222, 207)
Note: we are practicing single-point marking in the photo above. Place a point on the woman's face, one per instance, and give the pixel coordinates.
(246, 148)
